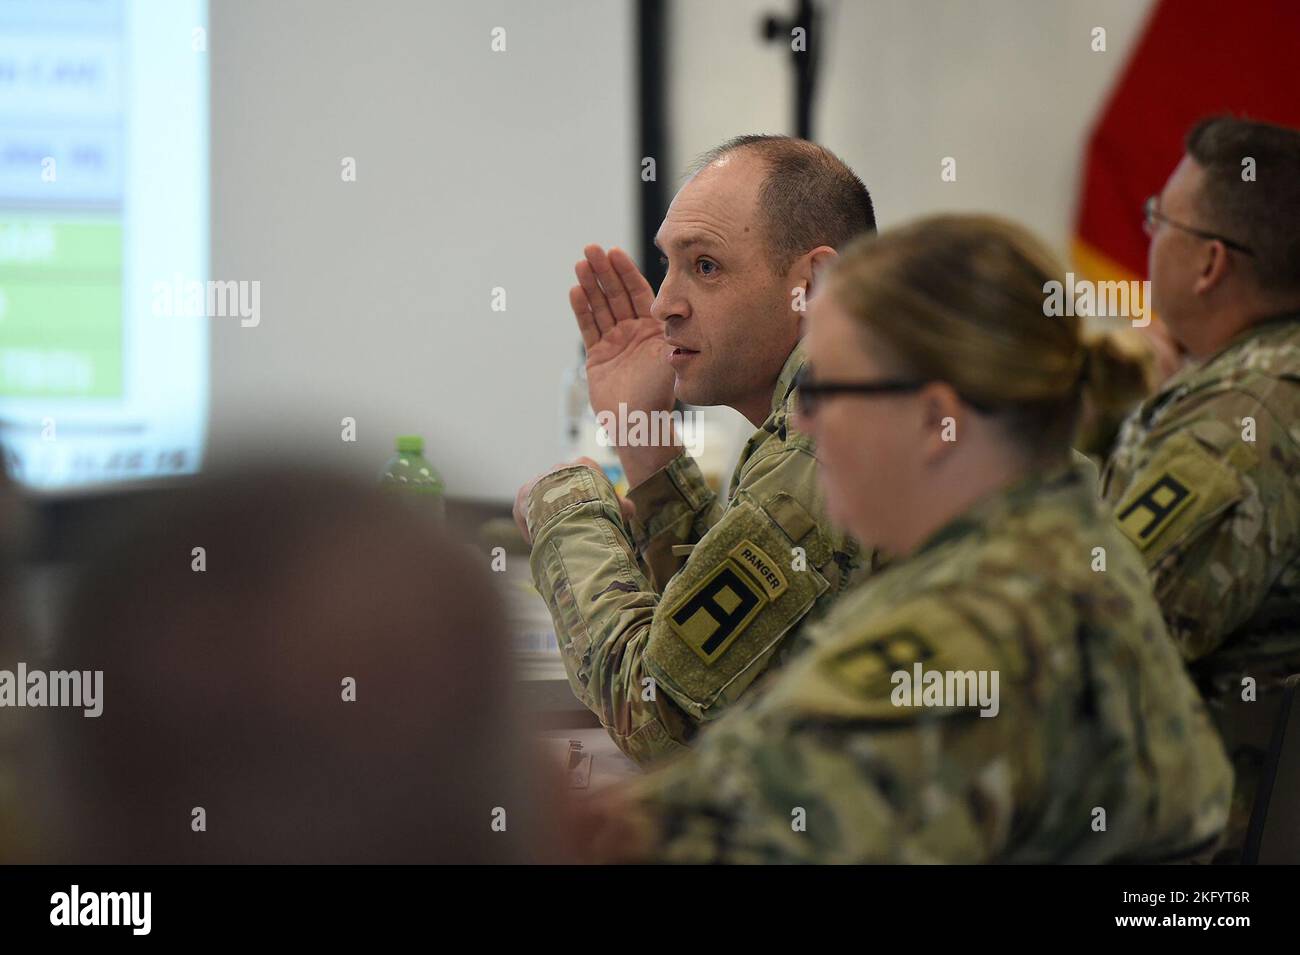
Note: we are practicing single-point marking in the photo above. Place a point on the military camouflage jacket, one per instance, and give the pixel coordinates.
(656, 641)
(1096, 747)
(1205, 479)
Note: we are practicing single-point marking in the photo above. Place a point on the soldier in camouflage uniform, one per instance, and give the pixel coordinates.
(1093, 745)
(654, 650)
(670, 605)
(1205, 477)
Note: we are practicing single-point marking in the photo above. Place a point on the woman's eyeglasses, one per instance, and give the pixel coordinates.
(810, 393)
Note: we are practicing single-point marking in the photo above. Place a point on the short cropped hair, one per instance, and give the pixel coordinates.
(809, 197)
(1261, 212)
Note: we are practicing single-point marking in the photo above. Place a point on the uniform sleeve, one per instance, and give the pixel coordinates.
(584, 566)
(834, 764)
(675, 506)
(653, 667)
(1213, 504)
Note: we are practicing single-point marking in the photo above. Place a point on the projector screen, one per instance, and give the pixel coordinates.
(103, 204)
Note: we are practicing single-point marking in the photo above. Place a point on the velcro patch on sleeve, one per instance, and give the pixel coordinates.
(717, 610)
(921, 654)
(867, 668)
(1142, 515)
(1184, 486)
(723, 616)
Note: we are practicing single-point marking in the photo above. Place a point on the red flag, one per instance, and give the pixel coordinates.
(1196, 58)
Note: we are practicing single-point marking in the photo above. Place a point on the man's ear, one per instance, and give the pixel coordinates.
(1214, 268)
(808, 273)
(942, 416)
(819, 260)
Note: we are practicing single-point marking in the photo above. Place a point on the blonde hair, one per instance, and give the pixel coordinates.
(960, 299)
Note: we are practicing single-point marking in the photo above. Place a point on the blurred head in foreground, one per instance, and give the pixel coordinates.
(13, 646)
(326, 680)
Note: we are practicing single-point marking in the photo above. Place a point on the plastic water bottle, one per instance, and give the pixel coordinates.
(410, 475)
(580, 433)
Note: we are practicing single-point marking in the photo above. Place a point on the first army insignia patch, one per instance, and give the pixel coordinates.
(719, 608)
(1143, 517)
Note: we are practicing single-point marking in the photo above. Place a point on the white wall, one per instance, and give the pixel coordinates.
(474, 170)
(1009, 88)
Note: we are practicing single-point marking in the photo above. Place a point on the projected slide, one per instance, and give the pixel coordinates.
(103, 199)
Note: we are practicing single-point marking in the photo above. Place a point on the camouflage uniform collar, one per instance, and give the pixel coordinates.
(1069, 477)
(1284, 324)
(785, 381)
(776, 422)
(1196, 374)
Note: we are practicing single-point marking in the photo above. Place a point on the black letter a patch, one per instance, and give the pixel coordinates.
(718, 609)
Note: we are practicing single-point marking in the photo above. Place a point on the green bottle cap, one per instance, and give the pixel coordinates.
(411, 443)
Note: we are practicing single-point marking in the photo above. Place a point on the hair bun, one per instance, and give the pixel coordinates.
(1118, 368)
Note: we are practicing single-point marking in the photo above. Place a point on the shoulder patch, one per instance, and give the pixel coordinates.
(1141, 516)
(717, 610)
(1183, 486)
(867, 668)
(723, 617)
(921, 656)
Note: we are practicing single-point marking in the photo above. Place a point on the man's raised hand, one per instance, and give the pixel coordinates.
(626, 352)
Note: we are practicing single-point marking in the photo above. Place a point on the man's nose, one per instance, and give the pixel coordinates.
(668, 304)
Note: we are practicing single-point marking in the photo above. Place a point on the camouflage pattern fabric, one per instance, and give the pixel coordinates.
(1205, 479)
(656, 641)
(1097, 746)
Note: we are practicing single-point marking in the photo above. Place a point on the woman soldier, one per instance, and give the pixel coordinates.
(1006, 690)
